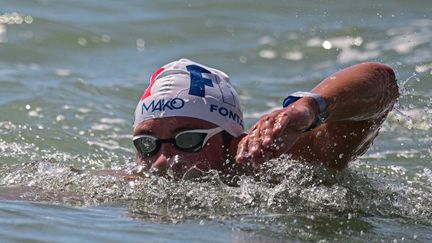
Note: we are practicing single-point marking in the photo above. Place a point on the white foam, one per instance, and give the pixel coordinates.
(406, 39)
(112, 120)
(63, 72)
(101, 127)
(293, 56)
(3, 33)
(268, 54)
(266, 40)
(348, 55)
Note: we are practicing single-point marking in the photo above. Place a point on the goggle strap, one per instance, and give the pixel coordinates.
(211, 133)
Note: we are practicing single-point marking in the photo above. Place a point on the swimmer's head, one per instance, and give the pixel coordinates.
(185, 88)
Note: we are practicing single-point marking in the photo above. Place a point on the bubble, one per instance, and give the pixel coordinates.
(358, 41)
(140, 43)
(327, 45)
(82, 41)
(28, 19)
(106, 38)
(60, 118)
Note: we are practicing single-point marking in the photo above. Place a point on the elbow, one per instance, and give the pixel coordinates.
(380, 67)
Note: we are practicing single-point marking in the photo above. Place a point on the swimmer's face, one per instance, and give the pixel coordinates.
(211, 156)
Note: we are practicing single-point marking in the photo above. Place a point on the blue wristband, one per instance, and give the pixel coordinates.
(322, 106)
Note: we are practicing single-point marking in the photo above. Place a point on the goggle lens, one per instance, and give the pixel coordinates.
(188, 141)
(145, 145)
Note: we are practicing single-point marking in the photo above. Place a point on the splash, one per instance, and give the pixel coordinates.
(410, 115)
(282, 186)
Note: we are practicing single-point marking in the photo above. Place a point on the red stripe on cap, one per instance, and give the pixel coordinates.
(147, 92)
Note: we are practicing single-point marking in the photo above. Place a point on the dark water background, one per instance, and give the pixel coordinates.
(71, 73)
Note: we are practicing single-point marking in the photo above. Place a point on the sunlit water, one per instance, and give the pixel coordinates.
(72, 72)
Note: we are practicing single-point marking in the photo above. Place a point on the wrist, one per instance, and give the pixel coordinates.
(312, 104)
(301, 114)
(311, 110)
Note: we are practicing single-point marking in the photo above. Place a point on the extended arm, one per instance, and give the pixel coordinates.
(358, 99)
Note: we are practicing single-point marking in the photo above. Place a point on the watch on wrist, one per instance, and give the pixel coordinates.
(322, 106)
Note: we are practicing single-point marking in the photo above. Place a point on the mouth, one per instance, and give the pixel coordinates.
(181, 169)
(178, 168)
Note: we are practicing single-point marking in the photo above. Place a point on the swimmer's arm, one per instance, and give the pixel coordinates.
(361, 92)
(358, 94)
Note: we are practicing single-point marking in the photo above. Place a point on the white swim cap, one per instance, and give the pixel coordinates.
(188, 89)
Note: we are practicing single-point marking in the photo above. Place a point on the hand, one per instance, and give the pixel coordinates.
(274, 134)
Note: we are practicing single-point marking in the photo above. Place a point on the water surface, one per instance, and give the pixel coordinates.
(72, 72)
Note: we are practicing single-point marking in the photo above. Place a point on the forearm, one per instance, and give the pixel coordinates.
(360, 92)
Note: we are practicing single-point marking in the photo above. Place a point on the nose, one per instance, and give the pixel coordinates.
(162, 157)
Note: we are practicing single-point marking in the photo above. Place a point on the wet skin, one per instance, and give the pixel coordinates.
(211, 156)
(358, 98)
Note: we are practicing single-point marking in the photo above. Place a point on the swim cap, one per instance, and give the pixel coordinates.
(186, 88)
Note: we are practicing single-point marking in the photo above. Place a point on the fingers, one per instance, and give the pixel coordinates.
(258, 146)
(271, 136)
(242, 150)
(262, 134)
(249, 150)
(281, 122)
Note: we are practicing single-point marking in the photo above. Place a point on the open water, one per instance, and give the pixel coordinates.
(71, 73)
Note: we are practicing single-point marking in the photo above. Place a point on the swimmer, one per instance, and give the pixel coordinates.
(192, 112)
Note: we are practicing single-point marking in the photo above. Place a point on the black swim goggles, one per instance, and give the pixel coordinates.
(187, 141)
